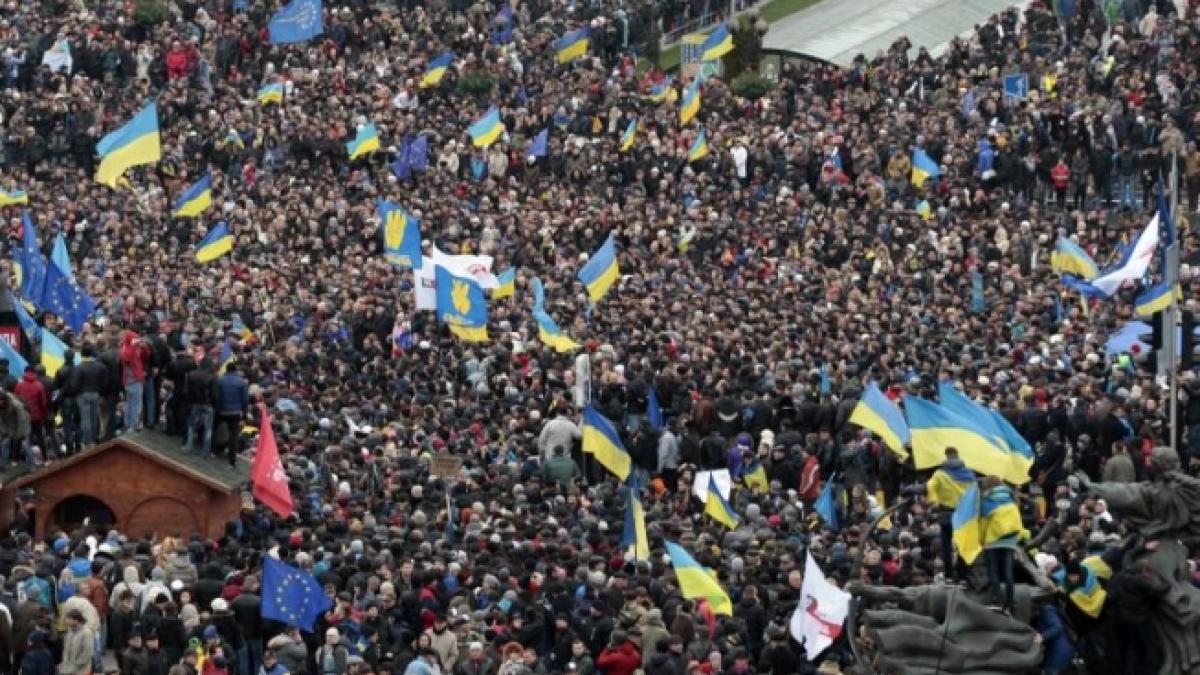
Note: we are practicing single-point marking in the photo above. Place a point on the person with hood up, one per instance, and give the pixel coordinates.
(621, 657)
(290, 649)
(134, 355)
(179, 567)
(37, 659)
(33, 393)
(654, 632)
(79, 644)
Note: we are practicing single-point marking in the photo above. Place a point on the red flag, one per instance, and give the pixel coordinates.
(270, 482)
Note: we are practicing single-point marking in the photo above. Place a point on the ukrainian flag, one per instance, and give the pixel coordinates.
(508, 284)
(947, 485)
(217, 243)
(401, 236)
(966, 526)
(718, 44)
(696, 582)
(435, 70)
(600, 438)
(233, 137)
(1155, 299)
(877, 414)
(572, 45)
(660, 92)
(924, 209)
(271, 93)
(923, 167)
(935, 428)
(54, 352)
(691, 102)
(1088, 596)
(1069, 257)
(633, 538)
(716, 506)
(629, 136)
(756, 479)
(486, 129)
(461, 304)
(699, 149)
(15, 197)
(225, 357)
(240, 329)
(601, 270)
(366, 142)
(1099, 566)
(134, 144)
(551, 335)
(195, 200)
(1020, 453)
(999, 516)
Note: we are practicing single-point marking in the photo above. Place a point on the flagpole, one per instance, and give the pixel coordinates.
(1172, 278)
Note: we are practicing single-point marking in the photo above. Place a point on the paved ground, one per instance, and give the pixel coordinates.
(838, 30)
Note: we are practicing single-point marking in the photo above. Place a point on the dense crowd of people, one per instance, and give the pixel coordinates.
(761, 288)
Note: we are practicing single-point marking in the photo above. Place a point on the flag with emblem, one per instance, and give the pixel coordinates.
(267, 475)
(291, 595)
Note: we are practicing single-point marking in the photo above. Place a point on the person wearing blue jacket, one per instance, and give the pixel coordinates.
(37, 660)
(233, 400)
(1056, 641)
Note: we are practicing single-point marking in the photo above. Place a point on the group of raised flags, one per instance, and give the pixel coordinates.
(50, 286)
(985, 439)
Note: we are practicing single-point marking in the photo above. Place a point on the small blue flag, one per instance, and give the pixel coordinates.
(977, 302)
(538, 148)
(825, 387)
(1016, 86)
(16, 362)
(824, 505)
(654, 411)
(59, 256)
(28, 324)
(66, 300)
(417, 153)
(291, 595)
(502, 26)
(300, 20)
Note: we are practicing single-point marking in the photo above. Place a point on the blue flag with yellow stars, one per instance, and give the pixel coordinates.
(291, 595)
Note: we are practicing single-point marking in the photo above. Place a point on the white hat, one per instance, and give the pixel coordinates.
(219, 605)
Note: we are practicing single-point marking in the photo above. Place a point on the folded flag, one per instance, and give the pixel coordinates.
(699, 149)
(947, 485)
(1087, 594)
(215, 244)
(600, 438)
(630, 135)
(195, 200)
(365, 142)
(435, 70)
(718, 44)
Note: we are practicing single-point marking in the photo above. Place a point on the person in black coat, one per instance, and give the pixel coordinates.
(37, 660)
(780, 656)
(177, 406)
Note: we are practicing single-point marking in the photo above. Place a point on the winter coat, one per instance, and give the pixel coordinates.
(620, 660)
(31, 390)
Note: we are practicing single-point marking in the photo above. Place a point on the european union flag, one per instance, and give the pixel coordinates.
(28, 324)
(60, 257)
(292, 595)
(502, 26)
(825, 507)
(300, 20)
(1016, 86)
(538, 148)
(654, 411)
(68, 301)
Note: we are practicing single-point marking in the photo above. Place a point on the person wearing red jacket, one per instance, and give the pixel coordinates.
(134, 354)
(31, 390)
(178, 62)
(1060, 176)
(810, 478)
(621, 657)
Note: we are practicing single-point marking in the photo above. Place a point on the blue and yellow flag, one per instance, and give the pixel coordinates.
(548, 331)
(508, 284)
(691, 102)
(600, 438)
(1070, 258)
(695, 582)
(435, 70)
(195, 200)
(1155, 299)
(935, 428)
(225, 357)
(719, 509)
(699, 149)
(54, 353)
(825, 505)
(271, 93)
(134, 144)
(924, 209)
(1089, 596)
(718, 44)
(755, 478)
(15, 197)
(217, 243)
(947, 485)
(461, 305)
(571, 46)
(29, 325)
(1099, 566)
(923, 167)
(486, 129)
(965, 523)
(660, 92)
(366, 142)
(630, 135)
(991, 422)
(601, 270)
(634, 542)
(999, 516)
(401, 235)
(233, 137)
(877, 414)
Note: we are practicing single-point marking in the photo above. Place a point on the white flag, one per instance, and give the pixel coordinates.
(58, 56)
(476, 267)
(721, 477)
(818, 619)
(1133, 266)
(425, 284)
